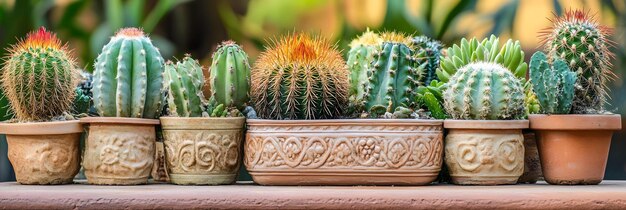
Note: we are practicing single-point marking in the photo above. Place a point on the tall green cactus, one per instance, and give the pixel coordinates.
(360, 59)
(484, 91)
(185, 82)
(230, 75)
(128, 77)
(39, 77)
(553, 84)
(427, 51)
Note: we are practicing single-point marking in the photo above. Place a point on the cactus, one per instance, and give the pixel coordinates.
(128, 77)
(230, 75)
(300, 77)
(583, 44)
(360, 58)
(185, 82)
(428, 51)
(531, 101)
(82, 102)
(553, 84)
(510, 56)
(39, 77)
(431, 97)
(484, 91)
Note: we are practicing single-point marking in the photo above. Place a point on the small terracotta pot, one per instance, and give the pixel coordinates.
(532, 164)
(485, 152)
(45, 152)
(344, 152)
(574, 148)
(119, 151)
(203, 151)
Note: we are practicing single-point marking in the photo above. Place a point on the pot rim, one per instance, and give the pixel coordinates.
(486, 124)
(200, 118)
(582, 122)
(41, 128)
(202, 123)
(261, 122)
(119, 120)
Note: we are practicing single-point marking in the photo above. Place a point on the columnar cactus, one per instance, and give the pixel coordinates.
(300, 77)
(427, 51)
(360, 58)
(230, 75)
(553, 84)
(582, 43)
(484, 91)
(128, 77)
(185, 82)
(39, 77)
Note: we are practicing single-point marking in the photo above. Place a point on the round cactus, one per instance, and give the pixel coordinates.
(360, 58)
(185, 81)
(300, 77)
(39, 77)
(484, 91)
(230, 75)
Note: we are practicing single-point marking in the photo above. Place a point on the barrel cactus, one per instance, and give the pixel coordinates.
(582, 43)
(484, 91)
(300, 77)
(360, 58)
(553, 84)
(427, 51)
(230, 75)
(128, 77)
(185, 81)
(39, 77)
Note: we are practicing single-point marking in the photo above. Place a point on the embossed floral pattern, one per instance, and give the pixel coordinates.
(202, 151)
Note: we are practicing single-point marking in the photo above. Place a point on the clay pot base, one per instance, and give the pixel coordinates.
(202, 179)
(485, 180)
(344, 178)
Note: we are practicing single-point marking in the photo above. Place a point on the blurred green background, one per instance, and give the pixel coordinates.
(197, 27)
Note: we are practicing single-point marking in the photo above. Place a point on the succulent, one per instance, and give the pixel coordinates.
(510, 56)
(185, 81)
(431, 97)
(230, 75)
(532, 103)
(83, 100)
(360, 59)
(300, 77)
(128, 77)
(484, 91)
(583, 44)
(428, 51)
(553, 84)
(39, 77)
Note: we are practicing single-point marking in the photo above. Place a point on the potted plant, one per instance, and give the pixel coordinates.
(574, 133)
(43, 139)
(128, 96)
(203, 148)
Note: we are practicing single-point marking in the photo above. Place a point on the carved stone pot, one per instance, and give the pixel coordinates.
(485, 152)
(119, 151)
(203, 151)
(45, 152)
(344, 152)
(574, 148)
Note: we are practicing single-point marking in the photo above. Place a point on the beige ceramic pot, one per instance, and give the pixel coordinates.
(574, 148)
(203, 151)
(45, 152)
(119, 151)
(344, 152)
(485, 152)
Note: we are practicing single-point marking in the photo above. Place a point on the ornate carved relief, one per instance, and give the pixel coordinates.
(202, 152)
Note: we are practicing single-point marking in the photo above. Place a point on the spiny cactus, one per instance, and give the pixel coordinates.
(185, 82)
(553, 84)
(128, 77)
(428, 51)
(431, 97)
(583, 44)
(484, 91)
(39, 77)
(230, 75)
(300, 77)
(82, 102)
(532, 103)
(360, 59)
(510, 56)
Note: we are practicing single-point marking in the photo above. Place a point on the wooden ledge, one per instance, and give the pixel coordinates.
(608, 195)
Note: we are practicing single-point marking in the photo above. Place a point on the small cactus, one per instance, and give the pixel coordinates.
(532, 103)
(553, 84)
(360, 59)
(185, 81)
(230, 75)
(83, 100)
(427, 51)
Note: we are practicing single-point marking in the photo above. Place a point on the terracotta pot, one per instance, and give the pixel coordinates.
(485, 152)
(574, 148)
(203, 151)
(44, 152)
(344, 152)
(119, 151)
(532, 164)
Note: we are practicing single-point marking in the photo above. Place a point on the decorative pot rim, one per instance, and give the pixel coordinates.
(486, 124)
(261, 122)
(119, 120)
(575, 122)
(41, 128)
(202, 123)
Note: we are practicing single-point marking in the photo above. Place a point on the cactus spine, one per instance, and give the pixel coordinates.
(230, 75)
(128, 77)
(185, 82)
(484, 91)
(553, 84)
(300, 77)
(39, 77)
(428, 51)
(360, 58)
